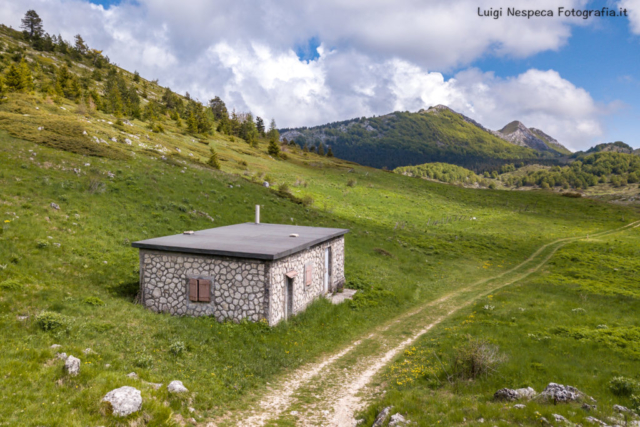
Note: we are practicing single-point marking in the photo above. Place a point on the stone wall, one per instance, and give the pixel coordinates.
(238, 286)
(304, 295)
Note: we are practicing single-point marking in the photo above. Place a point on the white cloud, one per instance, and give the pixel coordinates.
(374, 58)
(633, 9)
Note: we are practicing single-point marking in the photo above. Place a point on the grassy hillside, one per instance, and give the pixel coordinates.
(573, 323)
(403, 138)
(69, 276)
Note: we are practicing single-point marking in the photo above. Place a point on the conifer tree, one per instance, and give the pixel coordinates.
(192, 123)
(214, 162)
(19, 78)
(32, 24)
(81, 46)
(136, 76)
(218, 108)
(321, 149)
(260, 126)
(274, 147)
(329, 152)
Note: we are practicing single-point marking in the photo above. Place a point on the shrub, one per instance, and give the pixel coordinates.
(51, 321)
(94, 301)
(307, 200)
(41, 244)
(622, 386)
(283, 188)
(177, 348)
(351, 183)
(143, 361)
(11, 285)
(476, 358)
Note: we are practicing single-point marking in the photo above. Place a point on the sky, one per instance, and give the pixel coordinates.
(311, 62)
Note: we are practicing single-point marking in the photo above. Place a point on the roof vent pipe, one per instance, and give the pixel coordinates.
(257, 214)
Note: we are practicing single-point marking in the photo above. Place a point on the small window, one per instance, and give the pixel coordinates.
(200, 290)
(308, 274)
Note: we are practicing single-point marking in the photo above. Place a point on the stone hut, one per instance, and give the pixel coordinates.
(247, 271)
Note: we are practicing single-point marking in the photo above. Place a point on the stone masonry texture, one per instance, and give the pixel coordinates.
(240, 288)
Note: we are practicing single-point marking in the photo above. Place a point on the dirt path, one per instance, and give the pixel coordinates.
(331, 391)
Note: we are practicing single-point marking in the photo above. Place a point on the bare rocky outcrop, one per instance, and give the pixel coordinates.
(382, 417)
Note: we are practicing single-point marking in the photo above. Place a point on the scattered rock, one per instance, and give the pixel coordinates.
(588, 407)
(61, 356)
(124, 401)
(22, 318)
(620, 408)
(113, 139)
(107, 365)
(519, 406)
(192, 410)
(526, 393)
(55, 206)
(155, 386)
(127, 141)
(544, 421)
(397, 420)
(132, 375)
(382, 416)
(72, 366)
(88, 351)
(176, 387)
(54, 346)
(560, 418)
(294, 413)
(506, 394)
(265, 184)
(40, 128)
(562, 394)
(84, 132)
(596, 421)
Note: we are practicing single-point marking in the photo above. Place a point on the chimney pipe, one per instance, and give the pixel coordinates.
(257, 214)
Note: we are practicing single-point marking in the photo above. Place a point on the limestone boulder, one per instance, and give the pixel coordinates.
(124, 401)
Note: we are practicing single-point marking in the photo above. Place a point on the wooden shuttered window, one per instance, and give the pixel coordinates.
(308, 274)
(193, 290)
(204, 290)
(199, 290)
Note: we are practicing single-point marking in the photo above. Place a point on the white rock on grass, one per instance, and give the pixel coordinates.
(382, 416)
(61, 356)
(54, 346)
(526, 393)
(559, 418)
(397, 420)
(72, 366)
(176, 387)
(132, 375)
(596, 421)
(124, 401)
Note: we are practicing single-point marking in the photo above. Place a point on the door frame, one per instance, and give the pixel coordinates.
(327, 269)
(288, 296)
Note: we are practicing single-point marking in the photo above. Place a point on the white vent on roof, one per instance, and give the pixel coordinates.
(188, 232)
(293, 235)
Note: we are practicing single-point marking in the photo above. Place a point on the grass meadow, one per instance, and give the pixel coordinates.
(574, 323)
(410, 241)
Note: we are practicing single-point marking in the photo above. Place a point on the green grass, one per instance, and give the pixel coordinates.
(574, 323)
(410, 241)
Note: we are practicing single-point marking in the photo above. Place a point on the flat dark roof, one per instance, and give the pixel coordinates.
(249, 240)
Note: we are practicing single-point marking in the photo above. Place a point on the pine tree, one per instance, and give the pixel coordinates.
(274, 147)
(214, 162)
(192, 123)
(136, 76)
(19, 78)
(260, 126)
(32, 24)
(218, 108)
(81, 46)
(329, 152)
(321, 149)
